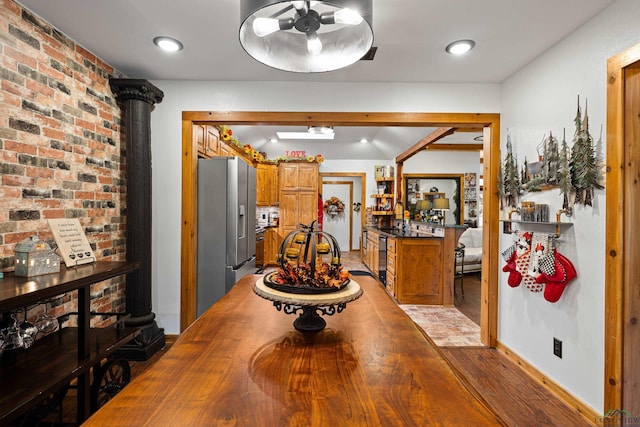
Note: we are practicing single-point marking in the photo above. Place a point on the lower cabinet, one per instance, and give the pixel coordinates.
(418, 271)
(271, 245)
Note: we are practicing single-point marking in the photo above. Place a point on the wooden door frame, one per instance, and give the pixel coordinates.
(363, 187)
(620, 196)
(490, 122)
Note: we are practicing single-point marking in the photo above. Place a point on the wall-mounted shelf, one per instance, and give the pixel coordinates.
(383, 207)
(558, 225)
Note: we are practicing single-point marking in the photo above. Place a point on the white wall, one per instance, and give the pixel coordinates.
(540, 98)
(166, 122)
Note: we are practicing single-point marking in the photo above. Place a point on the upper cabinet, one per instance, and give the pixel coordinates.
(299, 176)
(266, 185)
(207, 138)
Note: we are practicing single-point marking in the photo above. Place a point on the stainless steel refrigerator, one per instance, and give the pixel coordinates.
(226, 226)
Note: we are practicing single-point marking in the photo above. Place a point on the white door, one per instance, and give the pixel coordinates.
(339, 226)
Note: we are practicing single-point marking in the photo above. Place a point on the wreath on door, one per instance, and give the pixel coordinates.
(334, 208)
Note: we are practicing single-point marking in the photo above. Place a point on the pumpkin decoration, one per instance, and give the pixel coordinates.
(303, 268)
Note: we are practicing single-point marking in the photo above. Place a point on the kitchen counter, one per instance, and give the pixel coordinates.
(416, 265)
(242, 363)
(419, 231)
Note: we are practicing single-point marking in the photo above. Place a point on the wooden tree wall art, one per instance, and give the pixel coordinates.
(575, 171)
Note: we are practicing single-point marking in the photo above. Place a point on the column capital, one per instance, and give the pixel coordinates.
(140, 89)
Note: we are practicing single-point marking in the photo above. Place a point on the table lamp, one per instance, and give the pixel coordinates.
(441, 204)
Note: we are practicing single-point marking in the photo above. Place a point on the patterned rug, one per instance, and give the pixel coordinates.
(446, 326)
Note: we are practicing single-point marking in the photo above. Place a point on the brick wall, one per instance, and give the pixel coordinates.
(61, 150)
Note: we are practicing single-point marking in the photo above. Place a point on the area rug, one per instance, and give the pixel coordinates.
(446, 326)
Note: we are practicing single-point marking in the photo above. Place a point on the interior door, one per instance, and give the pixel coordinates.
(339, 226)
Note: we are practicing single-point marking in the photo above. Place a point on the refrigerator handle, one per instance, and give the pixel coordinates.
(242, 223)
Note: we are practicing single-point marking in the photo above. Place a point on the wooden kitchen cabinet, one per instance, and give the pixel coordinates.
(299, 176)
(373, 257)
(271, 246)
(207, 139)
(391, 266)
(298, 199)
(266, 185)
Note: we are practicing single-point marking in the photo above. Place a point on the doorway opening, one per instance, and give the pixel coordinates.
(490, 123)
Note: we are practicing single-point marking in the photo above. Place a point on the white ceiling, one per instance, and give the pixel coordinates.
(410, 36)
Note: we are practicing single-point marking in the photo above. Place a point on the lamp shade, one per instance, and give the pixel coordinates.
(441, 203)
(423, 205)
(306, 36)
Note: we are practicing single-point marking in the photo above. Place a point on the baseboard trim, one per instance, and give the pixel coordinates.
(170, 339)
(572, 401)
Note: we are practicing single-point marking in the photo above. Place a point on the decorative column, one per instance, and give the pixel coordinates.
(137, 98)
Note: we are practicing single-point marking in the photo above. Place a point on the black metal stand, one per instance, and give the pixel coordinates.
(309, 319)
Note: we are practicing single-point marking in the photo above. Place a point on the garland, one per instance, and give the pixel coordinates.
(226, 134)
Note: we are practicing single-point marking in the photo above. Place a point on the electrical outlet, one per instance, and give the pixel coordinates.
(557, 347)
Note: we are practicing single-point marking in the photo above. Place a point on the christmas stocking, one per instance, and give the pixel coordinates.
(539, 244)
(515, 277)
(554, 288)
(523, 254)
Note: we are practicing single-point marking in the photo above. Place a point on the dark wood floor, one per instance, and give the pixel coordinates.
(509, 390)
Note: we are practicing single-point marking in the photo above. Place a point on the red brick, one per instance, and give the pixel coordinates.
(37, 87)
(20, 57)
(85, 195)
(85, 53)
(51, 153)
(20, 148)
(20, 91)
(51, 49)
(51, 72)
(10, 238)
(85, 124)
(18, 181)
(40, 172)
(54, 134)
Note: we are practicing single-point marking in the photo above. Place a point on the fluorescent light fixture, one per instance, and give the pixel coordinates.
(460, 47)
(168, 44)
(304, 135)
(364, 141)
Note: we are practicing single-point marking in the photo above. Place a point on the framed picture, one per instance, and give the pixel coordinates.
(469, 180)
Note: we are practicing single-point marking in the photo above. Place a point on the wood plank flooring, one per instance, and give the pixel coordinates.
(516, 397)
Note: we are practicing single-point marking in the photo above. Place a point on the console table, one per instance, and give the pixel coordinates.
(29, 376)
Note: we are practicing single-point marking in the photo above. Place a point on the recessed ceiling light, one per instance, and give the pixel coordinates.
(460, 47)
(273, 140)
(168, 44)
(364, 140)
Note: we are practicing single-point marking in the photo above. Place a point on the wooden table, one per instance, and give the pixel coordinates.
(243, 364)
